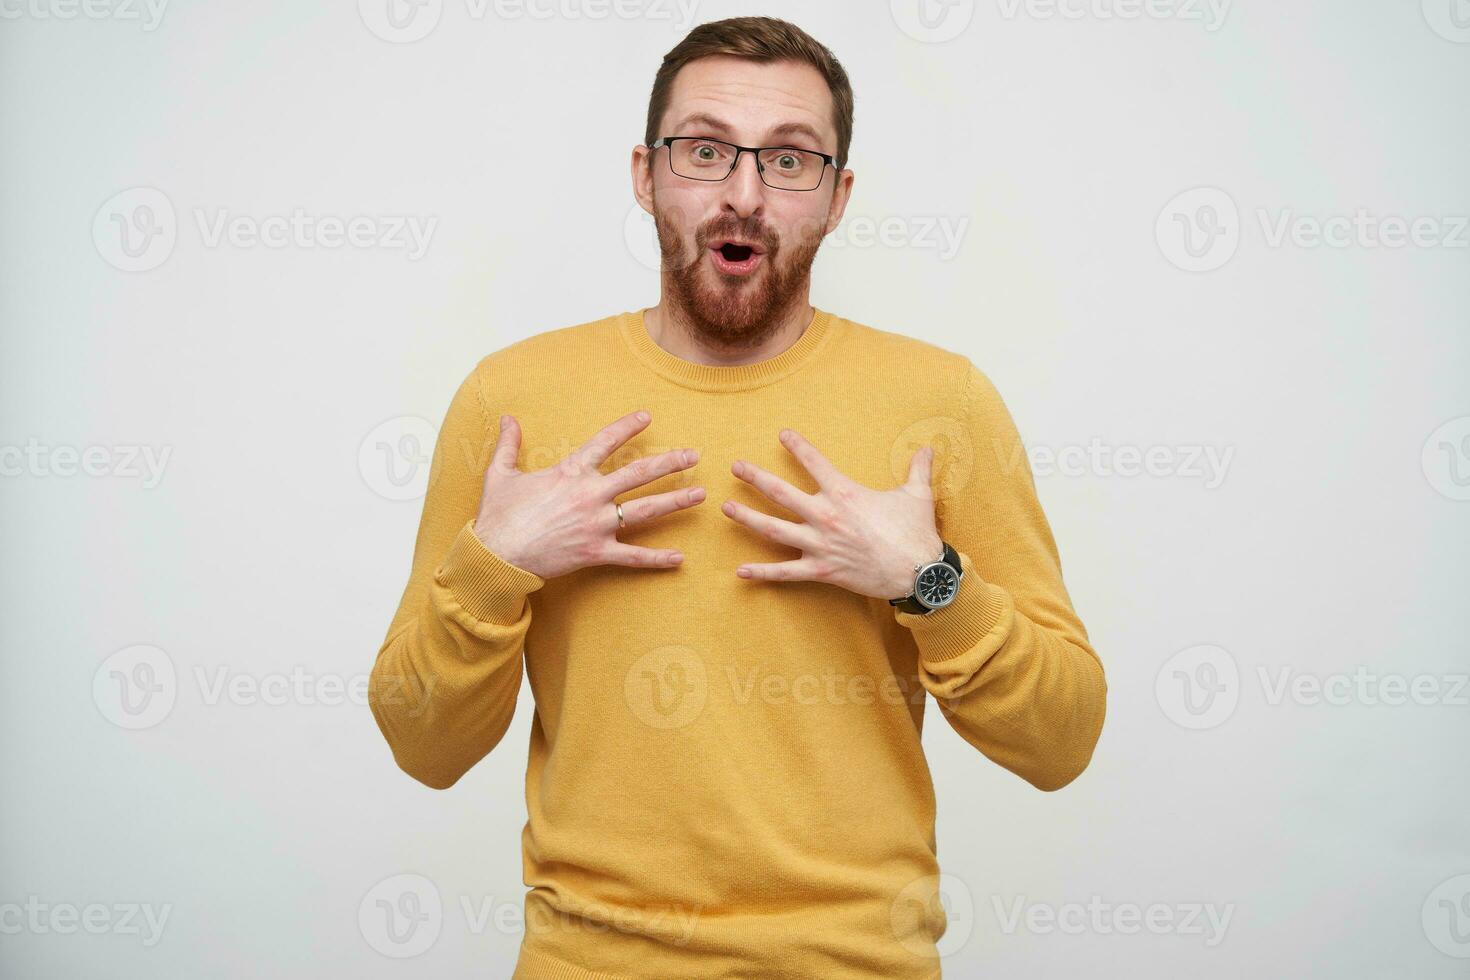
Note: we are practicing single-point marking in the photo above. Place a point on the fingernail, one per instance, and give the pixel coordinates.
(643, 416)
(696, 494)
(676, 557)
(691, 456)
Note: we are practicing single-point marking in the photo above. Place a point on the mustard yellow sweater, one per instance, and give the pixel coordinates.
(725, 777)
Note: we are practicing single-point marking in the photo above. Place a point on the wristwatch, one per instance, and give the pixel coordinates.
(936, 583)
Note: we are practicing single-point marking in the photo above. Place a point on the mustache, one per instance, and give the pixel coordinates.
(731, 229)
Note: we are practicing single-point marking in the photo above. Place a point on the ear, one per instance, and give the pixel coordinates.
(642, 177)
(840, 196)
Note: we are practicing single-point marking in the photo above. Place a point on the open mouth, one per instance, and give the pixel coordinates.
(736, 258)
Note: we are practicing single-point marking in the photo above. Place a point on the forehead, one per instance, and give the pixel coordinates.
(781, 100)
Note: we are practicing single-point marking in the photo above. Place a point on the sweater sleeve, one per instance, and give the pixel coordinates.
(444, 685)
(1008, 662)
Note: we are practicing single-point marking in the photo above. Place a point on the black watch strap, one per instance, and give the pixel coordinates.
(910, 603)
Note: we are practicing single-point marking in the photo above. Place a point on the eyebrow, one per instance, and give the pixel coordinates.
(784, 129)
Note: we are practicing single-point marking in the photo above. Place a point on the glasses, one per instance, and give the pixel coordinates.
(785, 168)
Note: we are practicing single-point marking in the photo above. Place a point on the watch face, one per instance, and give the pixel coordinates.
(937, 585)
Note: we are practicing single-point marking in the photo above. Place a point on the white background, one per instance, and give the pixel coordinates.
(1333, 544)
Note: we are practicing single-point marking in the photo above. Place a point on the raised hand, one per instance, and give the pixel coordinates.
(562, 518)
(866, 541)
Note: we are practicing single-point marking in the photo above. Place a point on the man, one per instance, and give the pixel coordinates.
(726, 777)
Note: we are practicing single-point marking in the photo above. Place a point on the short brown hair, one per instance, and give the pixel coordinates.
(760, 39)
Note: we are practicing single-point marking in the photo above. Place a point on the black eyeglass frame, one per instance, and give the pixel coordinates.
(828, 160)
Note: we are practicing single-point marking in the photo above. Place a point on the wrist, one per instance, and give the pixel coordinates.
(904, 579)
(498, 548)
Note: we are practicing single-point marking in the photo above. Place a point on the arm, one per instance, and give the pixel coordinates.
(444, 685)
(1008, 661)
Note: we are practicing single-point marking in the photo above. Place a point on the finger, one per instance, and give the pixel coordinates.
(784, 532)
(821, 469)
(644, 509)
(595, 451)
(799, 570)
(647, 469)
(778, 490)
(921, 472)
(507, 447)
(633, 556)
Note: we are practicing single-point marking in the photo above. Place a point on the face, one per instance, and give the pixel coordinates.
(735, 301)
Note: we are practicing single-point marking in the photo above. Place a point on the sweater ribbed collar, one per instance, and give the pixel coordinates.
(737, 377)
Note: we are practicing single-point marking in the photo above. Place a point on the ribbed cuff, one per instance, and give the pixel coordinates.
(977, 609)
(485, 585)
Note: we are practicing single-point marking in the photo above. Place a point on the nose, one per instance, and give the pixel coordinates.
(744, 191)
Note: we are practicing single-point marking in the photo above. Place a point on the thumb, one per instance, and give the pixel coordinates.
(921, 471)
(507, 447)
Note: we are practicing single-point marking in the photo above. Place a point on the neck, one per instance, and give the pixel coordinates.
(675, 335)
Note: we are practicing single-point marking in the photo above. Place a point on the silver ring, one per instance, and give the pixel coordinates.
(620, 515)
